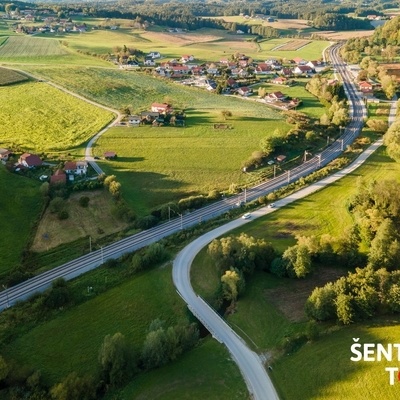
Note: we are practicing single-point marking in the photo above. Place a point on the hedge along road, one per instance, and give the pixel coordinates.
(88, 149)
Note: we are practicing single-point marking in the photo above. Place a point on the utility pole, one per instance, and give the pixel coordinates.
(245, 195)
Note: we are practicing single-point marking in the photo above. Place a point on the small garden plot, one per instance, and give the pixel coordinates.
(8, 76)
(292, 45)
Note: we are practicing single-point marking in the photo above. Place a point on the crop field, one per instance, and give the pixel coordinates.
(47, 118)
(8, 77)
(27, 46)
(20, 206)
(292, 45)
(77, 334)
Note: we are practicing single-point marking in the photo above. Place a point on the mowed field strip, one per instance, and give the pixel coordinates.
(8, 77)
(292, 45)
(22, 46)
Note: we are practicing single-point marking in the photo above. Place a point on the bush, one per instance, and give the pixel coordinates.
(63, 215)
(56, 205)
(84, 201)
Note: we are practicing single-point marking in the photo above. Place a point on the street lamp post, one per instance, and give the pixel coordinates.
(102, 255)
(288, 176)
(319, 160)
(341, 144)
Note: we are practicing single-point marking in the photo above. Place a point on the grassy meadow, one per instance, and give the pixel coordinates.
(71, 341)
(157, 165)
(39, 117)
(20, 207)
(310, 104)
(322, 370)
(205, 372)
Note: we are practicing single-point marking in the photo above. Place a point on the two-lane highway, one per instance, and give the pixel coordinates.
(92, 260)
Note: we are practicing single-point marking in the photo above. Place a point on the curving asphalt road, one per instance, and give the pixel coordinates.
(92, 260)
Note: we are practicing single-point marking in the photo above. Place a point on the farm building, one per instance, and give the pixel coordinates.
(110, 154)
(59, 178)
(76, 167)
(162, 108)
(30, 160)
(4, 154)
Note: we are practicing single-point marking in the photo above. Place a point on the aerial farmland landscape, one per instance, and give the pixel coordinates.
(200, 200)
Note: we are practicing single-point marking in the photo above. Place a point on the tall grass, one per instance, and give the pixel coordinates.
(20, 204)
(39, 117)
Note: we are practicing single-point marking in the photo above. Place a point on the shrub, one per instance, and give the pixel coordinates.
(84, 201)
(63, 215)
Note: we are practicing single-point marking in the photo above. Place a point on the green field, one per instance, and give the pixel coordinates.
(310, 104)
(157, 165)
(27, 46)
(39, 117)
(313, 51)
(8, 77)
(207, 372)
(71, 341)
(20, 206)
(322, 370)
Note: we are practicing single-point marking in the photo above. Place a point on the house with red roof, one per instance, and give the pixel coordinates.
(280, 80)
(29, 160)
(275, 96)
(162, 108)
(263, 69)
(365, 87)
(59, 178)
(76, 167)
(244, 91)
